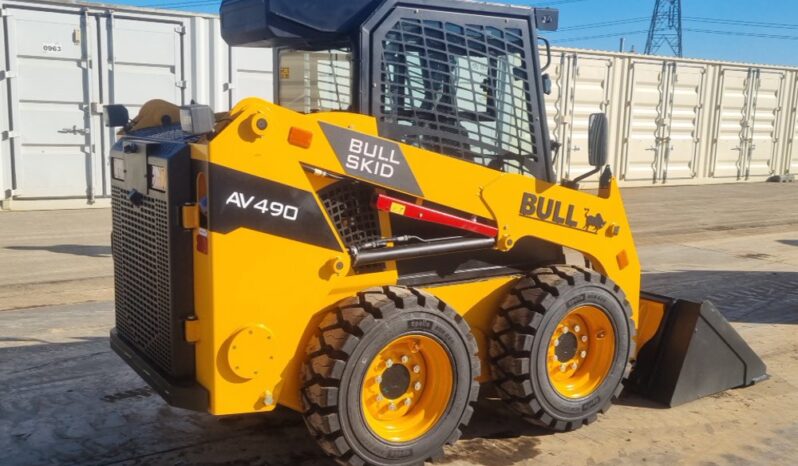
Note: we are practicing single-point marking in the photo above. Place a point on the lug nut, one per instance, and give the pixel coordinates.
(557, 342)
(416, 368)
(379, 397)
(405, 359)
(563, 367)
(407, 401)
(584, 338)
(574, 365)
(392, 406)
(389, 363)
(378, 379)
(565, 330)
(556, 358)
(583, 354)
(417, 386)
(577, 328)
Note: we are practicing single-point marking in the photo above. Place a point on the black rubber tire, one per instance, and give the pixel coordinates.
(340, 352)
(521, 333)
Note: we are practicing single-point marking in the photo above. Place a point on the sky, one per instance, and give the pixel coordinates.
(752, 31)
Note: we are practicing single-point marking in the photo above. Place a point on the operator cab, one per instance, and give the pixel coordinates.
(457, 81)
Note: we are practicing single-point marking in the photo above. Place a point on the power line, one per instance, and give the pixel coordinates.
(599, 36)
(605, 24)
(741, 23)
(740, 33)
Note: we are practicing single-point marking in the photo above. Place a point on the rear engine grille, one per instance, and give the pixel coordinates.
(142, 276)
(350, 206)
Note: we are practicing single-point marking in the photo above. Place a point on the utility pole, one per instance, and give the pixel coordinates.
(666, 27)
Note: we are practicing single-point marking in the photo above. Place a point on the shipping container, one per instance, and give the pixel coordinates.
(61, 62)
(672, 121)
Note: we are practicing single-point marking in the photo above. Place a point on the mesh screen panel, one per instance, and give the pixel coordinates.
(351, 209)
(458, 89)
(142, 276)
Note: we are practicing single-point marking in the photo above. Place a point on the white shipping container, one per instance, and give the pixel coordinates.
(60, 62)
(673, 120)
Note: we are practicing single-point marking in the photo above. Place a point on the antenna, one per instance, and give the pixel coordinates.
(666, 27)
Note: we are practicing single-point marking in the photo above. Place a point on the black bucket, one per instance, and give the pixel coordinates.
(695, 353)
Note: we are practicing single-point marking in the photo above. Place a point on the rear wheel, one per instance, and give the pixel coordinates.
(390, 378)
(561, 346)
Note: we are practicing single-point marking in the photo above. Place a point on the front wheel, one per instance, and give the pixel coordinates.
(390, 378)
(561, 346)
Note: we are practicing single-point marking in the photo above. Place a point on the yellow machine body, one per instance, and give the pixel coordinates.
(258, 297)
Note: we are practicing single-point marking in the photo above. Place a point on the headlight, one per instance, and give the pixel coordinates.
(158, 178)
(118, 169)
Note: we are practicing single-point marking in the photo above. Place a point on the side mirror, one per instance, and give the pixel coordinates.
(116, 116)
(546, 84)
(598, 140)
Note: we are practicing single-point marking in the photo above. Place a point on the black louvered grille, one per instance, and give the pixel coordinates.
(350, 206)
(142, 276)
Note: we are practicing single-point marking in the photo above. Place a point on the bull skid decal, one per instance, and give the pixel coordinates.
(559, 213)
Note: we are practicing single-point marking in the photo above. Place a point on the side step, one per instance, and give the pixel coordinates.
(694, 353)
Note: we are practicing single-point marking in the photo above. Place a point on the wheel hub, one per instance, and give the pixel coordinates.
(407, 388)
(395, 382)
(581, 352)
(566, 347)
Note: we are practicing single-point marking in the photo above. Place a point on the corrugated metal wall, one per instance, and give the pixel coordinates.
(673, 121)
(60, 62)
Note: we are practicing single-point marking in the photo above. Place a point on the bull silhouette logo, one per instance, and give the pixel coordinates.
(596, 222)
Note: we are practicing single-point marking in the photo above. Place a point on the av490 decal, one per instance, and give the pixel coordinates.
(239, 200)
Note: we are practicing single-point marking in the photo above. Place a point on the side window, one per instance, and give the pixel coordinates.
(311, 82)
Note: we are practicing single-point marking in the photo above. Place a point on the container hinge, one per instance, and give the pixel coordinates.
(6, 135)
(7, 74)
(181, 84)
(97, 108)
(228, 86)
(180, 29)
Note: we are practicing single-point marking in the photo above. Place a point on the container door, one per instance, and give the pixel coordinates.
(762, 159)
(145, 62)
(790, 161)
(732, 124)
(647, 95)
(253, 76)
(560, 73)
(684, 121)
(589, 82)
(141, 61)
(53, 56)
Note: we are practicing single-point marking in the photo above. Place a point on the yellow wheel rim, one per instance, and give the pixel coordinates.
(407, 388)
(581, 352)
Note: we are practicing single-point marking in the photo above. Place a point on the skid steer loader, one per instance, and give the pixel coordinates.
(389, 237)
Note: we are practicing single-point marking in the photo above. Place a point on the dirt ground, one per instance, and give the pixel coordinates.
(67, 399)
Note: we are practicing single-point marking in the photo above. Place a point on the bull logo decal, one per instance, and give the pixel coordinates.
(596, 222)
(560, 213)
